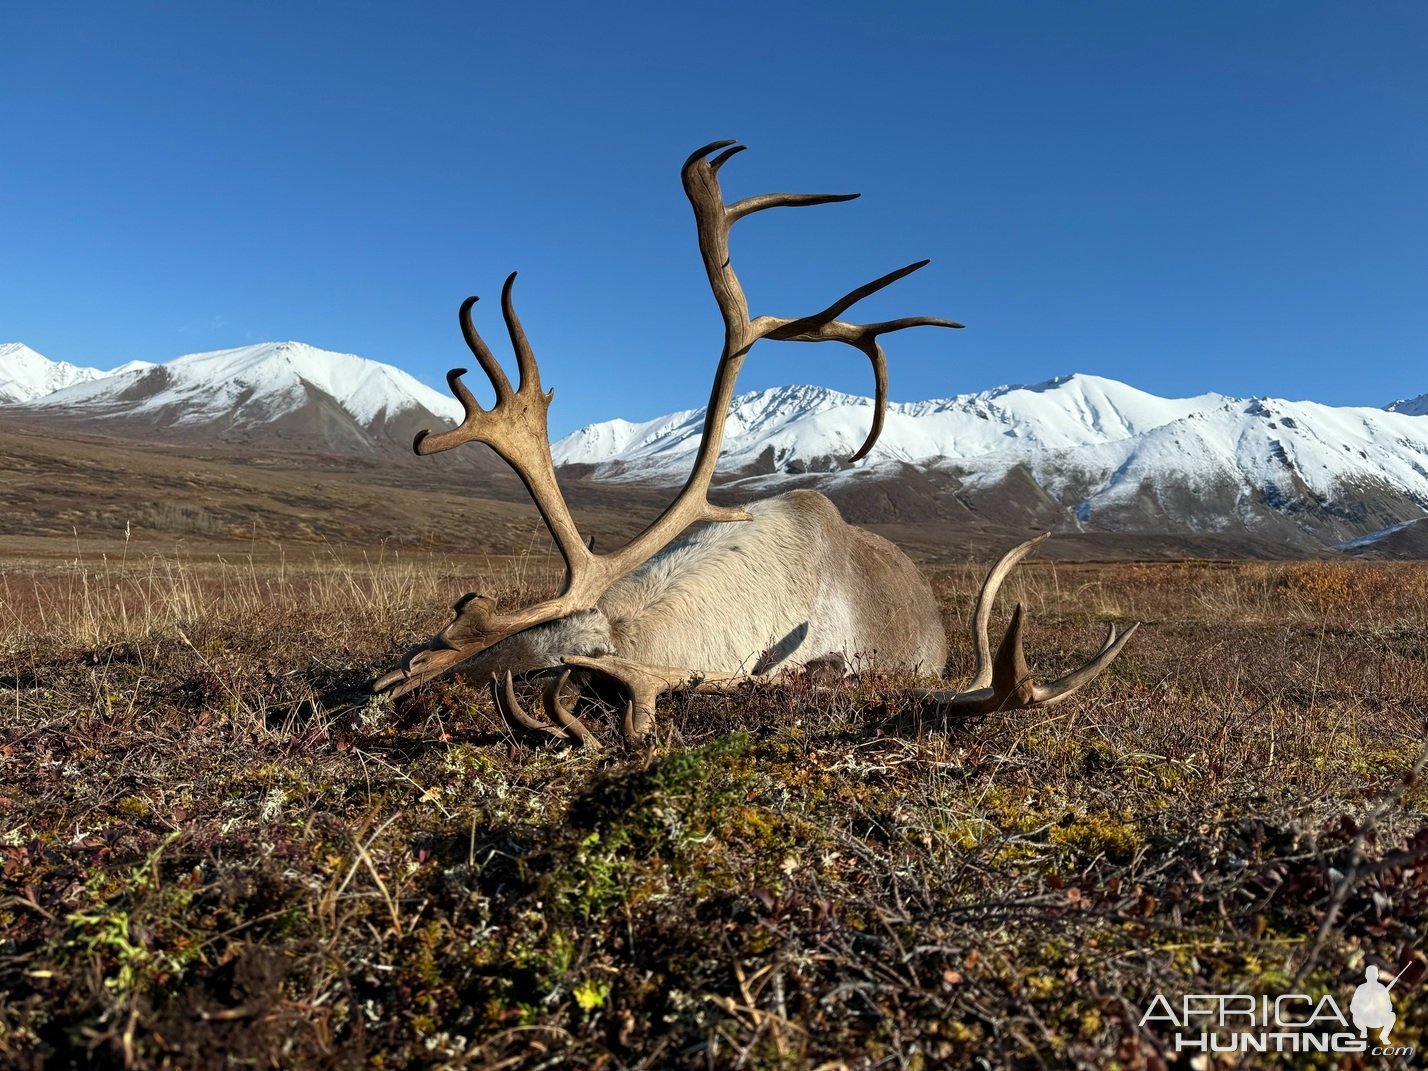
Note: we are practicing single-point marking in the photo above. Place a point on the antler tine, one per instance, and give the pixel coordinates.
(749, 205)
(563, 724)
(471, 408)
(1059, 689)
(492, 367)
(644, 684)
(516, 429)
(1011, 685)
(825, 327)
(503, 694)
(885, 326)
(525, 357)
(982, 612)
(879, 361)
(724, 157)
(563, 716)
(772, 327)
(428, 443)
(714, 219)
(1011, 682)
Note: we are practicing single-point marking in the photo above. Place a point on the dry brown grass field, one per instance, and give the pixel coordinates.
(217, 853)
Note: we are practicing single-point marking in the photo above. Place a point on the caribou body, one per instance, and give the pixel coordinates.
(794, 584)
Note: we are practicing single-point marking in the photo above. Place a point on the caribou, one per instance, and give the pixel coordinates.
(708, 598)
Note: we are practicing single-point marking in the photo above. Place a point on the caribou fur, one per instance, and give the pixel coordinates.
(794, 584)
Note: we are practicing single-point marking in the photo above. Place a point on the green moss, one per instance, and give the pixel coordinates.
(1099, 833)
(133, 807)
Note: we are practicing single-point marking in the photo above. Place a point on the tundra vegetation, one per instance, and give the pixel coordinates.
(214, 854)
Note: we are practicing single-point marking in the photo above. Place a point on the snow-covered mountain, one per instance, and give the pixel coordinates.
(1109, 456)
(26, 375)
(800, 429)
(270, 391)
(1074, 452)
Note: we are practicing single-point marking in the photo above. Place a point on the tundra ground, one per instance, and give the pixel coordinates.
(216, 854)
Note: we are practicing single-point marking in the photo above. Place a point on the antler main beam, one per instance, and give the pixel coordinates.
(714, 220)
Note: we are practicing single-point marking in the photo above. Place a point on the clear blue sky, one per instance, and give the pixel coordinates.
(1186, 196)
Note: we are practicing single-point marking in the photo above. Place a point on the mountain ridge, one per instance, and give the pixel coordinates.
(1105, 456)
(1077, 452)
(1410, 406)
(289, 391)
(26, 375)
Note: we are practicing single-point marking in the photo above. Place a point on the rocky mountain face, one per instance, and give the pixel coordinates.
(1410, 406)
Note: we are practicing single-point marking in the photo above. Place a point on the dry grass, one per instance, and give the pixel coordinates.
(212, 853)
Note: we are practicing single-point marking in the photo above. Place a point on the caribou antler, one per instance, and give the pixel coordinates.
(1004, 682)
(643, 685)
(516, 426)
(714, 220)
(563, 723)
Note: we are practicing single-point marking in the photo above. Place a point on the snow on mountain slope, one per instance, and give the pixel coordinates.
(1236, 462)
(131, 366)
(1375, 537)
(1408, 539)
(1268, 441)
(253, 385)
(1110, 454)
(810, 427)
(26, 375)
